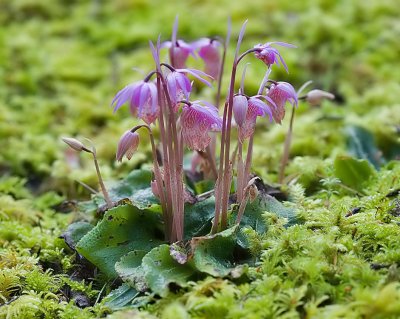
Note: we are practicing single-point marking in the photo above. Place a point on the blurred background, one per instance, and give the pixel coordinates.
(62, 61)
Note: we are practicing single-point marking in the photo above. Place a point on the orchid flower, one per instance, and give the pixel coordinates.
(179, 88)
(256, 107)
(143, 100)
(270, 55)
(280, 93)
(209, 53)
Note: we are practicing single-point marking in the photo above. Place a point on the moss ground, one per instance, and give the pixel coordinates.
(61, 62)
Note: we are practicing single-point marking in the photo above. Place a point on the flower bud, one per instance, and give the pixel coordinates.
(127, 145)
(315, 97)
(240, 106)
(74, 144)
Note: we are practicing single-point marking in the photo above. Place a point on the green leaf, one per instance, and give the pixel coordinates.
(361, 144)
(75, 232)
(353, 172)
(130, 270)
(253, 218)
(198, 218)
(213, 254)
(121, 297)
(161, 270)
(204, 186)
(123, 229)
(136, 187)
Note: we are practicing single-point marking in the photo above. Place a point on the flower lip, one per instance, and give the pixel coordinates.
(197, 119)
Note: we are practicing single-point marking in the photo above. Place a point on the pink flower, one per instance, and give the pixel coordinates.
(208, 51)
(179, 86)
(179, 53)
(143, 100)
(256, 107)
(280, 93)
(269, 55)
(127, 145)
(197, 119)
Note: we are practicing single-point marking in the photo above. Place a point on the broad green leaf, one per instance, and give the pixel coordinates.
(121, 297)
(136, 187)
(198, 218)
(75, 232)
(213, 254)
(353, 172)
(161, 270)
(253, 215)
(361, 144)
(204, 186)
(123, 229)
(130, 270)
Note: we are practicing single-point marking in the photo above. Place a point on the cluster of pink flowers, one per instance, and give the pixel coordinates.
(165, 96)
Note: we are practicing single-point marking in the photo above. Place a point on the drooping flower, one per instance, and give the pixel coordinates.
(315, 97)
(256, 107)
(179, 87)
(142, 97)
(280, 93)
(127, 145)
(209, 53)
(270, 55)
(179, 53)
(197, 119)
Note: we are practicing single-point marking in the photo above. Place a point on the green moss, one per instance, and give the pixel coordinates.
(60, 64)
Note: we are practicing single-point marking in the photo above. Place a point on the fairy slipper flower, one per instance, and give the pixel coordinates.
(127, 145)
(315, 97)
(209, 53)
(197, 119)
(256, 107)
(280, 93)
(270, 55)
(179, 87)
(179, 53)
(142, 97)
